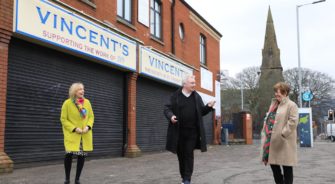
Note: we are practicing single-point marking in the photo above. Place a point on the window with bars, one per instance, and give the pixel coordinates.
(124, 9)
(203, 50)
(156, 18)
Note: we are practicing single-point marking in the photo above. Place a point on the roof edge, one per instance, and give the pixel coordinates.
(203, 19)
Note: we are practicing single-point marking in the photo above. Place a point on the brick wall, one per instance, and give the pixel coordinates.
(132, 149)
(186, 50)
(6, 17)
(106, 10)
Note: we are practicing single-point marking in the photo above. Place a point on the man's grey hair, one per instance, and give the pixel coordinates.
(186, 77)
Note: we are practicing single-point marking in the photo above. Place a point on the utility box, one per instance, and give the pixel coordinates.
(305, 127)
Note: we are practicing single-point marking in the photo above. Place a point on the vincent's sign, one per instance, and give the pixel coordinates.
(48, 22)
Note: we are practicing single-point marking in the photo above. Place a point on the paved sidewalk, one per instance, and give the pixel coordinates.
(238, 164)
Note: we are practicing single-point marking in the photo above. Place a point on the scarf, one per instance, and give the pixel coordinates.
(80, 106)
(269, 122)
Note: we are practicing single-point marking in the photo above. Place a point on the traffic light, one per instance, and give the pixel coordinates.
(330, 114)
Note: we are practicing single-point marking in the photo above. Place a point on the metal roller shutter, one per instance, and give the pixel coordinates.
(38, 82)
(208, 124)
(151, 126)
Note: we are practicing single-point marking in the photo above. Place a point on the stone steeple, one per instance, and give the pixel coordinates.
(271, 70)
(271, 52)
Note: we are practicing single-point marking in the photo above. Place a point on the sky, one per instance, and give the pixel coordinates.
(242, 25)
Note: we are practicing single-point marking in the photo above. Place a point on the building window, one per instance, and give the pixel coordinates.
(155, 18)
(90, 3)
(203, 50)
(124, 9)
(181, 31)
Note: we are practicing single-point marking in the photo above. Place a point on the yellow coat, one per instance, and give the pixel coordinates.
(70, 119)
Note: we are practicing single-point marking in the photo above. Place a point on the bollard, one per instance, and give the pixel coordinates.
(226, 133)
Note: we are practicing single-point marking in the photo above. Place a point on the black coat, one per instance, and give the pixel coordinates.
(171, 108)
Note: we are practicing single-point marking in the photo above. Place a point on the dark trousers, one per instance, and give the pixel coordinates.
(287, 178)
(68, 164)
(186, 145)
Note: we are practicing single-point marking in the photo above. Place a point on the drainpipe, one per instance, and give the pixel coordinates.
(172, 27)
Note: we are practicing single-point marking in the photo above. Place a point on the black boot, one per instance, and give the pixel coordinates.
(80, 165)
(67, 166)
(282, 182)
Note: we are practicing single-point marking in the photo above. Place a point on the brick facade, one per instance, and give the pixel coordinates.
(132, 149)
(6, 22)
(186, 50)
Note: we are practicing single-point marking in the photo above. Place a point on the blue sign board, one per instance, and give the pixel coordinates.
(305, 127)
(307, 96)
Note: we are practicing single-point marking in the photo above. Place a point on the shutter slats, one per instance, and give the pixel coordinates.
(38, 82)
(208, 124)
(151, 124)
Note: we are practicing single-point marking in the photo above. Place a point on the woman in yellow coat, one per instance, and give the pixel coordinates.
(77, 121)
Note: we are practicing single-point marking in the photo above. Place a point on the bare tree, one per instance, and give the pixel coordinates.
(229, 83)
(320, 84)
(249, 77)
(231, 92)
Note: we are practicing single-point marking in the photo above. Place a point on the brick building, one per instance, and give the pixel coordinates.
(130, 55)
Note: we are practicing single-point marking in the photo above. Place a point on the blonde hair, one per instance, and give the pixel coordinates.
(74, 88)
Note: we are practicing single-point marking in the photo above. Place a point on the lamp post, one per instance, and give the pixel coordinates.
(298, 39)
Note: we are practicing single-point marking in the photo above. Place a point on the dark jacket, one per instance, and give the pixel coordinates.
(171, 108)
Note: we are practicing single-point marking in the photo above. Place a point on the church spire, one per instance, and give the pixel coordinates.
(269, 16)
(271, 52)
(271, 69)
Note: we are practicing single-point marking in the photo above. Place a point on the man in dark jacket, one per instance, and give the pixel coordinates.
(186, 132)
